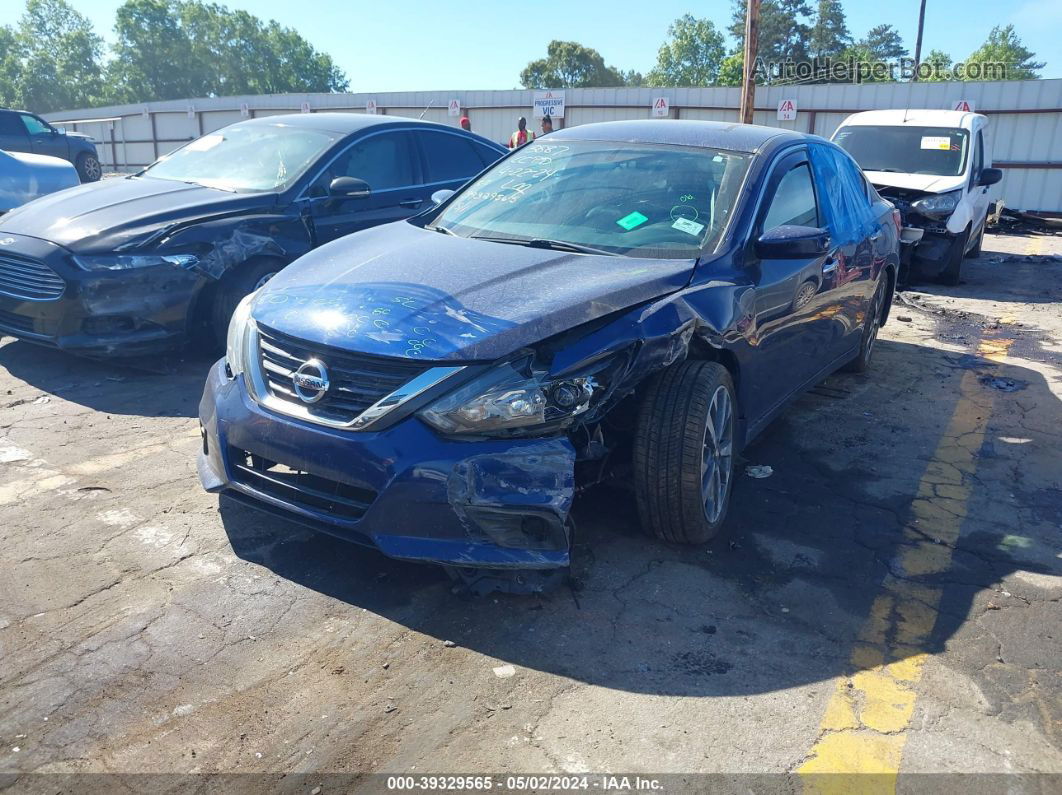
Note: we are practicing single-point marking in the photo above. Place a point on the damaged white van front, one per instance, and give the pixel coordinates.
(935, 166)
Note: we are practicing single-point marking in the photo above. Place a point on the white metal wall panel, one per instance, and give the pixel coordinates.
(1016, 137)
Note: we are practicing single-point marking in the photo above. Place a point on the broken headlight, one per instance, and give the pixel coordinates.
(937, 206)
(237, 341)
(121, 262)
(514, 399)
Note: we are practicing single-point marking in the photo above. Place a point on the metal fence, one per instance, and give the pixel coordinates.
(1025, 130)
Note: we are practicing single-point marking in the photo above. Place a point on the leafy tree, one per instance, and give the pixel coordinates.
(221, 52)
(1003, 47)
(569, 64)
(732, 70)
(938, 65)
(691, 56)
(883, 43)
(52, 61)
(829, 35)
(784, 33)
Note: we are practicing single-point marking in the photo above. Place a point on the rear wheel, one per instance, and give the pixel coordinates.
(953, 270)
(684, 452)
(232, 289)
(88, 168)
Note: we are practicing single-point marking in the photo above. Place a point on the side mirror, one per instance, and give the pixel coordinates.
(793, 242)
(349, 188)
(990, 176)
(440, 196)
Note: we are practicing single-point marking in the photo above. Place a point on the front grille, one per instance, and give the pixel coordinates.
(9, 320)
(298, 487)
(29, 279)
(357, 381)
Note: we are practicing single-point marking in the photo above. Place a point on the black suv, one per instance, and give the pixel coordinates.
(24, 132)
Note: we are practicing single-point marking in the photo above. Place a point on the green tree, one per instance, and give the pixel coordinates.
(691, 56)
(221, 53)
(829, 35)
(1002, 47)
(732, 70)
(883, 43)
(569, 64)
(784, 30)
(936, 67)
(54, 59)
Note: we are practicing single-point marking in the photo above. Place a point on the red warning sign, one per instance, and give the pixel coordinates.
(661, 107)
(787, 110)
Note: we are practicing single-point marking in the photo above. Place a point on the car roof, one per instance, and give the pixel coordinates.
(915, 117)
(346, 123)
(684, 132)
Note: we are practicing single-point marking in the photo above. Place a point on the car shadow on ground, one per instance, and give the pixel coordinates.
(160, 387)
(778, 600)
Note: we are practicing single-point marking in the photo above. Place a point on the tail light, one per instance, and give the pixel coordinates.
(896, 219)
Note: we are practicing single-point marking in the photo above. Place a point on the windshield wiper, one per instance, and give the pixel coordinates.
(442, 229)
(553, 245)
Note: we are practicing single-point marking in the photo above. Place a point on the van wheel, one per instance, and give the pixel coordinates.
(953, 270)
(976, 250)
(684, 452)
(871, 326)
(231, 290)
(88, 168)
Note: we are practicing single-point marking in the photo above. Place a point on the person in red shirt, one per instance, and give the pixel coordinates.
(522, 135)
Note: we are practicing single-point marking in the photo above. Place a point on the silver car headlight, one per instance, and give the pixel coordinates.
(939, 205)
(237, 341)
(121, 262)
(514, 399)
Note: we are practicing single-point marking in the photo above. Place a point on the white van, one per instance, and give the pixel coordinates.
(935, 166)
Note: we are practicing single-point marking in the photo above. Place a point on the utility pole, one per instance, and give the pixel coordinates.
(918, 41)
(748, 75)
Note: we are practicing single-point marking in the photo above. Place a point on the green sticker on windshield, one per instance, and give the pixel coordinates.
(628, 222)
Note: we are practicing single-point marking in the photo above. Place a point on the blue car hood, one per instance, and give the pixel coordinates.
(399, 290)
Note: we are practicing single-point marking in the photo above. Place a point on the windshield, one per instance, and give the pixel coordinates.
(245, 157)
(641, 200)
(939, 151)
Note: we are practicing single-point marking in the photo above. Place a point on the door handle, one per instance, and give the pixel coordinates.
(829, 266)
(411, 203)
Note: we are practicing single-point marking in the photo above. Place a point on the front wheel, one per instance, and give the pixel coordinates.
(684, 452)
(88, 168)
(871, 326)
(953, 270)
(232, 289)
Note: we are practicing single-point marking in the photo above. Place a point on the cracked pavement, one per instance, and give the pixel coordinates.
(146, 627)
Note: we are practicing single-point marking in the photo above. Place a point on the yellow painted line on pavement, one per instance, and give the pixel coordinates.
(864, 728)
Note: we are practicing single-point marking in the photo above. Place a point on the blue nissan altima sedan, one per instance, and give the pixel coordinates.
(637, 298)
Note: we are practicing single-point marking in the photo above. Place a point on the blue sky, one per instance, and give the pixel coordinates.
(469, 44)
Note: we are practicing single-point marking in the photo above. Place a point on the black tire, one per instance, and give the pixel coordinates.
(672, 446)
(976, 250)
(952, 272)
(231, 290)
(88, 168)
(871, 326)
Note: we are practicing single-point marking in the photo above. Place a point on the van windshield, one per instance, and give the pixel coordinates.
(938, 151)
(644, 200)
(251, 157)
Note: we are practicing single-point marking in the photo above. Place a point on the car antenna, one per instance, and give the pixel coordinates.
(905, 116)
(430, 103)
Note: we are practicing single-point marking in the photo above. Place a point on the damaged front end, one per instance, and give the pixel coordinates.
(930, 230)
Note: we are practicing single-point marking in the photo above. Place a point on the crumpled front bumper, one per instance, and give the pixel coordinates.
(101, 313)
(485, 503)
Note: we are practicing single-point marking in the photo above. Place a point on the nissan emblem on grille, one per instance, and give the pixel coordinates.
(311, 381)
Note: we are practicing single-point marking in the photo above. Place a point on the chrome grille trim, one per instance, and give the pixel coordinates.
(29, 279)
(265, 389)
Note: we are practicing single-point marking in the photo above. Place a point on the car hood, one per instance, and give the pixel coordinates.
(100, 216)
(399, 290)
(928, 183)
(25, 176)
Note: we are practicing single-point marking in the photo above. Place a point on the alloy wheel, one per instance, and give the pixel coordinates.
(717, 459)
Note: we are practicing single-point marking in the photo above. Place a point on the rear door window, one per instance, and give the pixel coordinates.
(793, 202)
(450, 157)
